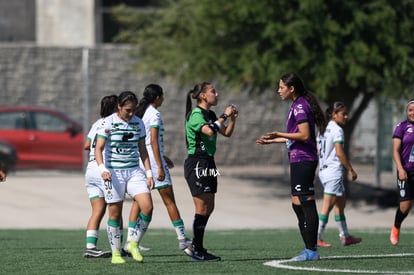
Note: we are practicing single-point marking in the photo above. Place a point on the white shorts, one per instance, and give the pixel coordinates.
(333, 187)
(132, 181)
(93, 181)
(154, 168)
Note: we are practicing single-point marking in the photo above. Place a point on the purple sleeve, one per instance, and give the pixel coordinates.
(398, 131)
(301, 110)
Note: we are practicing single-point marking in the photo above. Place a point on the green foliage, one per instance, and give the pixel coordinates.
(242, 251)
(344, 50)
(335, 45)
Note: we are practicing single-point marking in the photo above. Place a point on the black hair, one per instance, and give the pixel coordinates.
(333, 108)
(194, 94)
(291, 79)
(126, 96)
(151, 92)
(108, 105)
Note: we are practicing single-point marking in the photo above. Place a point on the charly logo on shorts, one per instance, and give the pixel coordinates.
(205, 172)
(402, 193)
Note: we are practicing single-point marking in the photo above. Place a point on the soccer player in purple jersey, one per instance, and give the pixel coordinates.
(304, 115)
(403, 155)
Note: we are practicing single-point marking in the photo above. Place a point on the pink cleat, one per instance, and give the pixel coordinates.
(350, 240)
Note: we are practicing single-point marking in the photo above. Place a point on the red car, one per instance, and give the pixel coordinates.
(43, 138)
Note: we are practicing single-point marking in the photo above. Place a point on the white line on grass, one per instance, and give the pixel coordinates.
(282, 264)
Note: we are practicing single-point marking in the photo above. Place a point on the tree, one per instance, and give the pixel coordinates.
(344, 50)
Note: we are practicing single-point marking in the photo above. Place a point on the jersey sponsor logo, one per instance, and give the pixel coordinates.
(127, 136)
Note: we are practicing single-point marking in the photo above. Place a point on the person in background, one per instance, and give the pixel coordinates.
(122, 135)
(332, 161)
(8, 159)
(403, 156)
(3, 175)
(94, 183)
(300, 139)
(147, 110)
(200, 171)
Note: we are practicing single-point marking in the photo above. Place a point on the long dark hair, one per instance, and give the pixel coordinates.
(126, 96)
(108, 105)
(194, 94)
(151, 92)
(291, 79)
(333, 108)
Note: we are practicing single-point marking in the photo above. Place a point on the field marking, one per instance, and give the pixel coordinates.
(282, 264)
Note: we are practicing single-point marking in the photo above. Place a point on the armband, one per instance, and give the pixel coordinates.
(148, 173)
(224, 116)
(215, 126)
(102, 168)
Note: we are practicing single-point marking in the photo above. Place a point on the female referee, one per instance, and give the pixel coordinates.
(202, 126)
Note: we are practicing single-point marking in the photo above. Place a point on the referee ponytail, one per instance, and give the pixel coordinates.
(194, 94)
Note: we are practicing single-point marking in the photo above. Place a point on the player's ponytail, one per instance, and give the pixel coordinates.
(151, 92)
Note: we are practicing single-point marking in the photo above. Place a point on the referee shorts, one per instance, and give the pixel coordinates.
(201, 175)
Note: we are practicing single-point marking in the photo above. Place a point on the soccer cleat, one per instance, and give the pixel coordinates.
(204, 256)
(95, 253)
(132, 248)
(189, 250)
(395, 235)
(322, 243)
(184, 243)
(306, 255)
(125, 253)
(350, 240)
(116, 258)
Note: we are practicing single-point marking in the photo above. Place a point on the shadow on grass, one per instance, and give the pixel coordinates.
(357, 192)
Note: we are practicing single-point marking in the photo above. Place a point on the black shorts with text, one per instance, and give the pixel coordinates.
(201, 175)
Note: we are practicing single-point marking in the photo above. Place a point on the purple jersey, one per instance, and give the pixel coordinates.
(301, 150)
(404, 131)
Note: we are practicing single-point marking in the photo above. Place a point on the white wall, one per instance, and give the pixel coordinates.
(65, 22)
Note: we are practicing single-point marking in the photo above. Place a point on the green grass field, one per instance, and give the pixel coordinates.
(242, 252)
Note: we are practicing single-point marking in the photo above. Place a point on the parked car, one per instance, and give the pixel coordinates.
(43, 138)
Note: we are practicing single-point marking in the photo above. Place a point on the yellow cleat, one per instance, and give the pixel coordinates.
(132, 248)
(116, 258)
